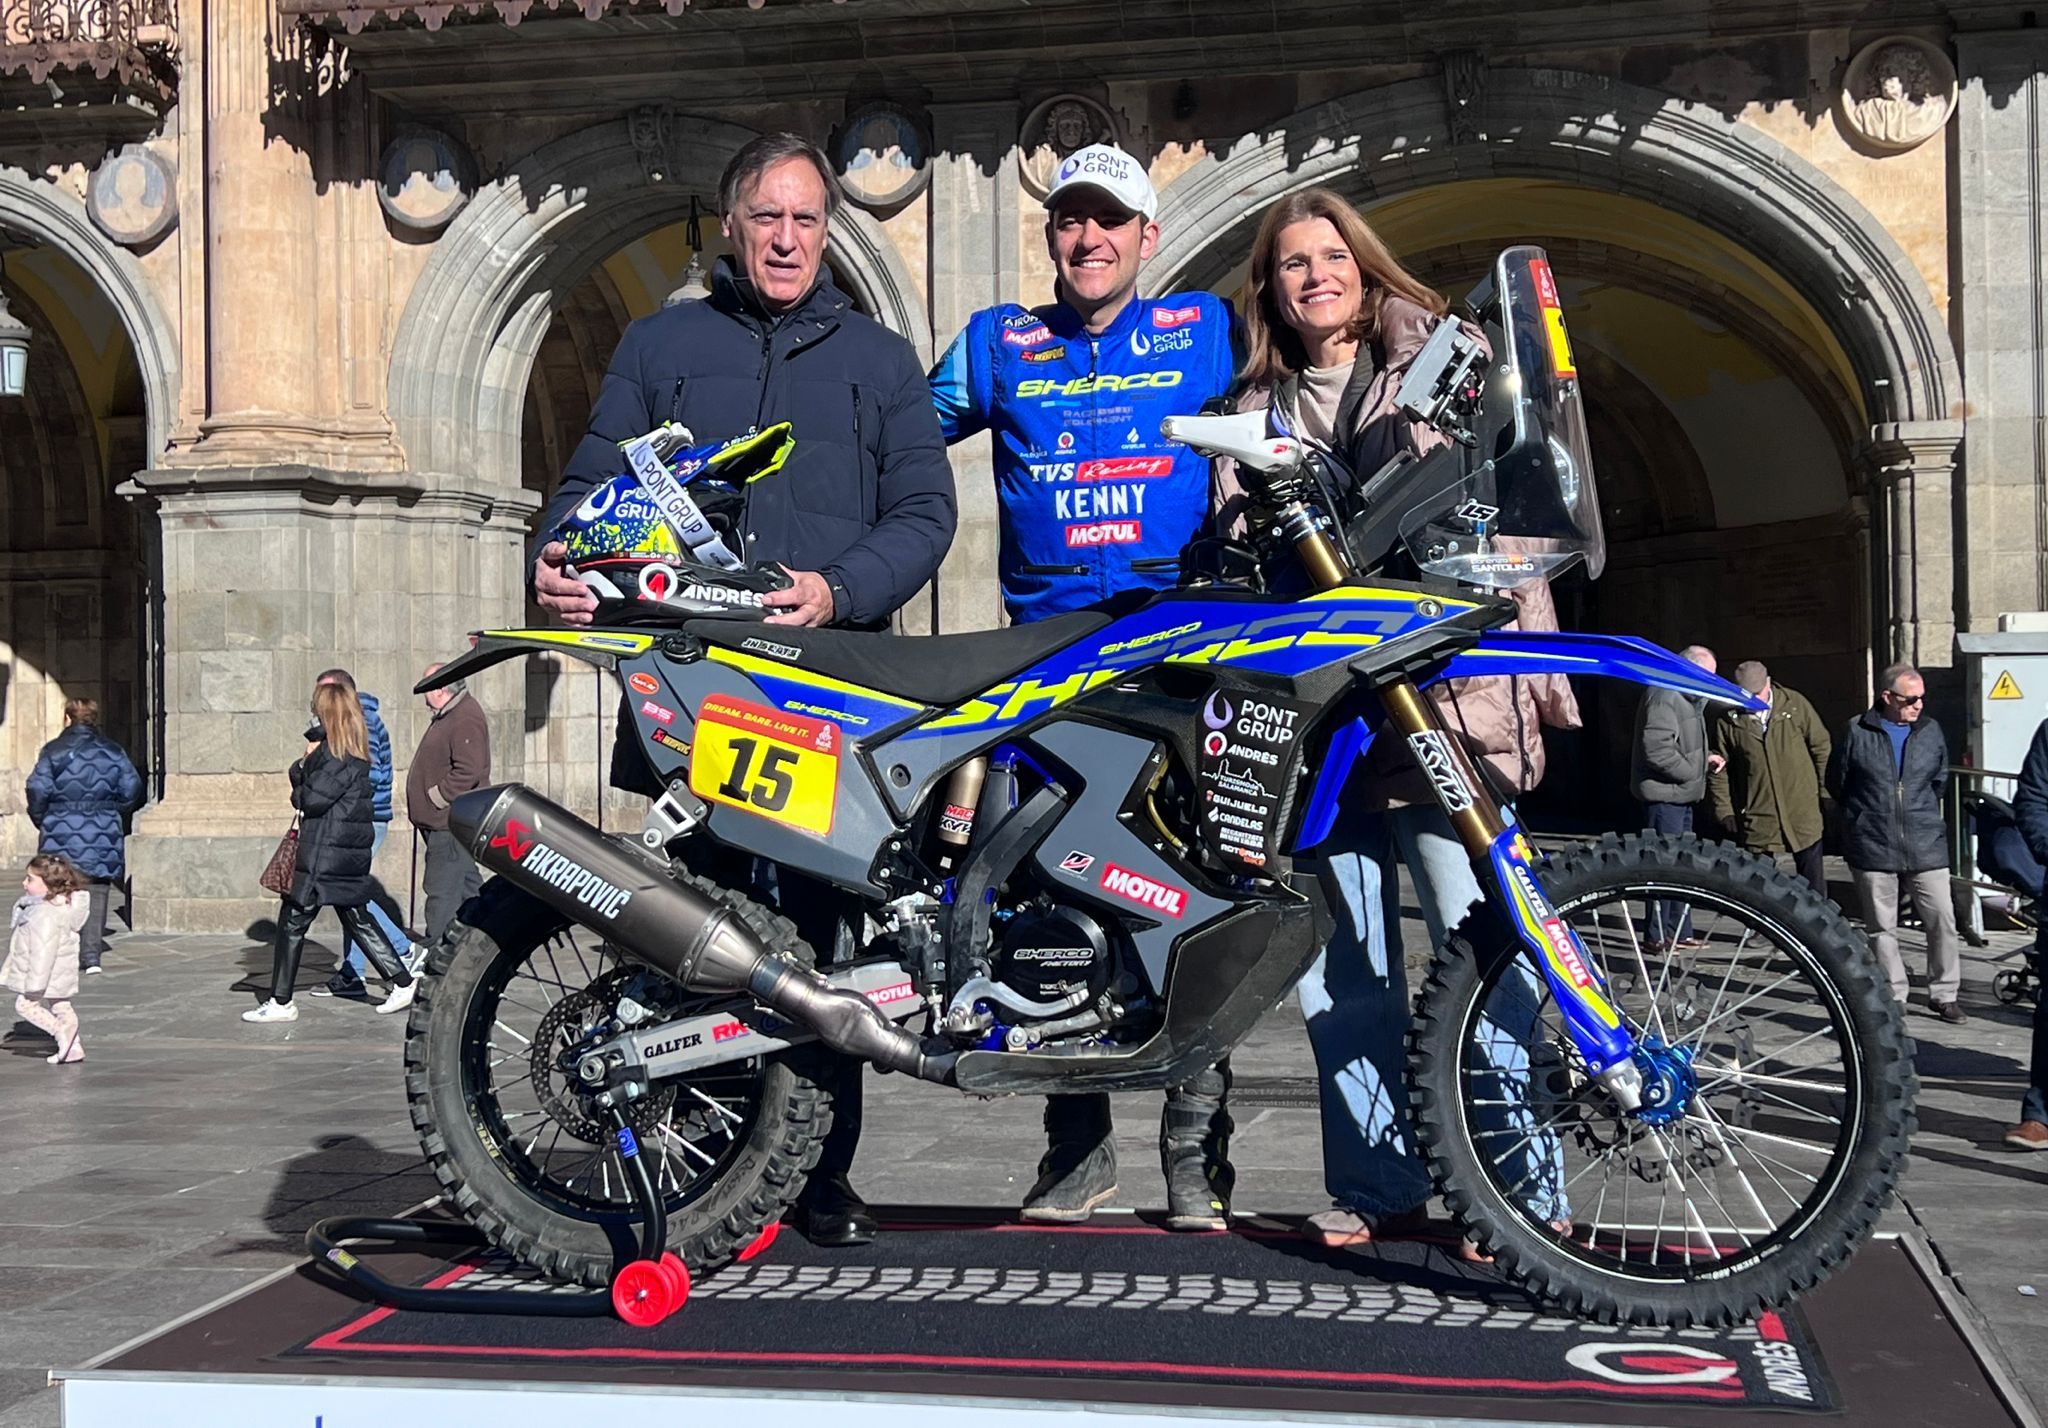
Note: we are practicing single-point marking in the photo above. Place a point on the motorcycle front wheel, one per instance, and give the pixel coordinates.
(1798, 1078)
(519, 1147)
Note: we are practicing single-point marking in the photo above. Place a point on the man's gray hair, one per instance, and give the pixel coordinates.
(758, 155)
(1888, 678)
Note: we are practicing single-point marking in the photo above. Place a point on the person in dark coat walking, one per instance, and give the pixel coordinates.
(331, 790)
(1774, 762)
(2030, 810)
(454, 757)
(80, 794)
(1886, 775)
(860, 517)
(1670, 776)
(347, 980)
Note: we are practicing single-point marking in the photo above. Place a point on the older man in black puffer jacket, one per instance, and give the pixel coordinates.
(1887, 773)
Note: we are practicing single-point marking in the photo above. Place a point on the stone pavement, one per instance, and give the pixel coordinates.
(186, 1156)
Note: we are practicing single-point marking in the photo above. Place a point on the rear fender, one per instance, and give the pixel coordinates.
(1518, 652)
(603, 648)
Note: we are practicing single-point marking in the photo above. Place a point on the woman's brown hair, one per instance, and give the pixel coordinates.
(58, 874)
(1273, 350)
(341, 719)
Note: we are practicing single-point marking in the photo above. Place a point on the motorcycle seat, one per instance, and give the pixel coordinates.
(938, 670)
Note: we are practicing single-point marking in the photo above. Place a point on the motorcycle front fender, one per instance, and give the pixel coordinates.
(1498, 653)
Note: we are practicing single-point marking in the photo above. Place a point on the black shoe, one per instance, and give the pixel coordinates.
(829, 1214)
(339, 985)
(1194, 1153)
(1950, 1012)
(1198, 1192)
(1073, 1181)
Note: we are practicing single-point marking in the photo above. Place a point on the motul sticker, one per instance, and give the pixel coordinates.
(1175, 316)
(643, 684)
(660, 713)
(1029, 336)
(1124, 468)
(1152, 896)
(1105, 533)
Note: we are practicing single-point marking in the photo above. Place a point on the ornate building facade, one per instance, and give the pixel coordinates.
(318, 299)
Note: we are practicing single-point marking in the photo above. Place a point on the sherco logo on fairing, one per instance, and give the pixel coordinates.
(1097, 382)
(560, 871)
(1159, 897)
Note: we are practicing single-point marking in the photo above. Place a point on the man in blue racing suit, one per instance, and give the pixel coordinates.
(1093, 502)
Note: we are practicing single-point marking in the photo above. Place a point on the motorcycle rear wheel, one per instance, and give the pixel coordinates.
(1803, 1111)
(720, 1192)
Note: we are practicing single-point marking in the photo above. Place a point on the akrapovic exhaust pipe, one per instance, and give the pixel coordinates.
(617, 890)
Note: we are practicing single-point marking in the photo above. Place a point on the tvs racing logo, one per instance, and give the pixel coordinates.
(516, 840)
(1157, 897)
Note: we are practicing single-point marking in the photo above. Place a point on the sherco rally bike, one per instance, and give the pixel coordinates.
(1656, 1078)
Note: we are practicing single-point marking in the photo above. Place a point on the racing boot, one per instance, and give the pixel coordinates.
(1078, 1170)
(1194, 1152)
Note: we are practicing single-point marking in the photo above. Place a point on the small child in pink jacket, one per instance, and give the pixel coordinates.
(42, 957)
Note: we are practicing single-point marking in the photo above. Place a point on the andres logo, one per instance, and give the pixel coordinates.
(516, 840)
(1153, 896)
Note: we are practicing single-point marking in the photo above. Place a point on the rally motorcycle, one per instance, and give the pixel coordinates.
(1656, 1078)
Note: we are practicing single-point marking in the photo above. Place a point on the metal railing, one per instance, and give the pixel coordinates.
(1969, 885)
(135, 41)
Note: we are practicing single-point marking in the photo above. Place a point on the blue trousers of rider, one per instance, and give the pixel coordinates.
(2034, 1105)
(352, 961)
(1356, 1002)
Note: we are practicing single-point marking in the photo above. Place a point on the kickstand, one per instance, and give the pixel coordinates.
(643, 1292)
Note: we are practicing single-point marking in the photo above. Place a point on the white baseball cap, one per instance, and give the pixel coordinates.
(1110, 169)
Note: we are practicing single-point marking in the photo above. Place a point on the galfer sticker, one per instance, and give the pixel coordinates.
(1433, 752)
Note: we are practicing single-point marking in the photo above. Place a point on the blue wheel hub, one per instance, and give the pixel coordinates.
(1669, 1082)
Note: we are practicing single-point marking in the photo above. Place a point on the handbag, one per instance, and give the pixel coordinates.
(277, 873)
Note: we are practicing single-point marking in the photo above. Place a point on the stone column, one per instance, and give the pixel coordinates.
(974, 263)
(1910, 470)
(2001, 242)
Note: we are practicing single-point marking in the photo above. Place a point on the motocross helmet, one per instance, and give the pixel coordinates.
(664, 538)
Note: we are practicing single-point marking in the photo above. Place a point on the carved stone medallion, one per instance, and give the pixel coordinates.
(424, 179)
(882, 156)
(133, 196)
(1898, 92)
(1057, 128)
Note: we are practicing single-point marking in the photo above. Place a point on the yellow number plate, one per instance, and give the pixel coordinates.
(783, 767)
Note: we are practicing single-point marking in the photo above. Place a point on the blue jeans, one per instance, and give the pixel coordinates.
(352, 961)
(1355, 1001)
(1668, 921)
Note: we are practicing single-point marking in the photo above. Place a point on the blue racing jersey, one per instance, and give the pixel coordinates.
(1093, 499)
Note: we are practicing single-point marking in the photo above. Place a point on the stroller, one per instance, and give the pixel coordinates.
(2003, 857)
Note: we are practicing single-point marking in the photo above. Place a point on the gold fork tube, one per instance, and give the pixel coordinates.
(1459, 788)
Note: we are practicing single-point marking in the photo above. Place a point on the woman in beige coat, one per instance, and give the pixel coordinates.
(1332, 322)
(42, 956)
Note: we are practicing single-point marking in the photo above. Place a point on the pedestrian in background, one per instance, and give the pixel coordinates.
(347, 980)
(1886, 776)
(1767, 793)
(331, 790)
(42, 954)
(80, 794)
(453, 758)
(1670, 777)
(2030, 809)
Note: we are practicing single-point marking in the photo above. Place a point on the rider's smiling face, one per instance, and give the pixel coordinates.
(777, 232)
(1315, 279)
(1097, 246)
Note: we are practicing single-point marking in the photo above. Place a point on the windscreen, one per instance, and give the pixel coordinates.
(1528, 506)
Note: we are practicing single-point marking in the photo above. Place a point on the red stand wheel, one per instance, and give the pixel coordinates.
(644, 1294)
(678, 1281)
(759, 1244)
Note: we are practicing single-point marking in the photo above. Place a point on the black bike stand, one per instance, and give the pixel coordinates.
(643, 1292)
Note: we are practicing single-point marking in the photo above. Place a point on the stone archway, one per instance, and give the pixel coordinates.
(1602, 133)
(467, 340)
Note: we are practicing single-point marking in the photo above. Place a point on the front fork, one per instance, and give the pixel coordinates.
(1494, 843)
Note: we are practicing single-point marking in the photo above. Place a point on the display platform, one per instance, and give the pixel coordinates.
(951, 1310)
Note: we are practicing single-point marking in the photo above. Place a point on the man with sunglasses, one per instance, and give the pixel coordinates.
(1887, 776)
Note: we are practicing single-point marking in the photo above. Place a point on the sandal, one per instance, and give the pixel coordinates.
(1346, 1229)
